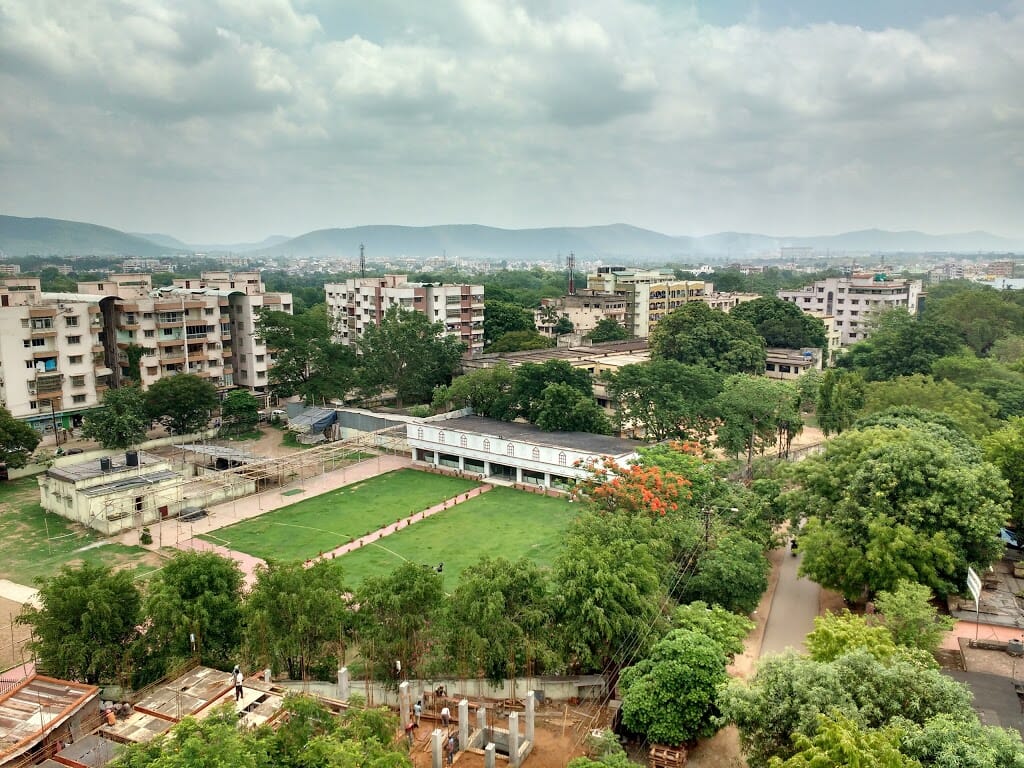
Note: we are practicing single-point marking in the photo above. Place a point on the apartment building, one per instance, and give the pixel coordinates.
(851, 300)
(360, 302)
(52, 366)
(584, 309)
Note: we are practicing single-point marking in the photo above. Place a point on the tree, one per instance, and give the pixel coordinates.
(498, 618)
(755, 413)
(120, 422)
(488, 391)
(607, 329)
(85, 619)
(724, 627)
(837, 634)
(563, 408)
(239, 411)
(17, 440)
(664, 399)
(986, 376)
(669, 697)
(309, 363)
(979, 315)
(1004, 448)
(186, 400)
(638, 489)
(839, 742)
(521, 341)
(900, 345)
(885, 504)
(782, 323)
(840, 399)
(295, 617)
(732, 574)
(196, 594)
(501, 317)
(408, 354)
(910, 617)
(531, 379)
(948, 741)
(134, 353)
(395, 615)
(788, 693)
(972, 411)
(563, 326)
(696, 334)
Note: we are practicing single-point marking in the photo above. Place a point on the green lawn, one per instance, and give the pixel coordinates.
(500, 523)
(34, 543)
(307, 528)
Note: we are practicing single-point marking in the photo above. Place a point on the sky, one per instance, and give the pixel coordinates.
(231, 120)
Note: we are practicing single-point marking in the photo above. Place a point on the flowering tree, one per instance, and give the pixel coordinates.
(636, 489)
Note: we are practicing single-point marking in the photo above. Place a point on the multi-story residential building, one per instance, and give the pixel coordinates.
(360, 302)
(584, 309)
(852, 300)
(948, 271)
(52, 366)
(10, 269)
(999, 269)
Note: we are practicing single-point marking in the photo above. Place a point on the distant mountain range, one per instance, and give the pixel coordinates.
(56, 237)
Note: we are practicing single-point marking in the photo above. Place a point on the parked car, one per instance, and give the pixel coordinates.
(279, 412)
(1010, 538)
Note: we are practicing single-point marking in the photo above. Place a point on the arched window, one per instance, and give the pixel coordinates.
(419, 433)
(463, 441)
(440, 437)
(487, 445)
(510, 449)
(562, 458)
(535, 454)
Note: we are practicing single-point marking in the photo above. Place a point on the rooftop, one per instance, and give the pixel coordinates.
(566, 353)
(514, 430)
(34, 707)
(132, 481)
(86, 470)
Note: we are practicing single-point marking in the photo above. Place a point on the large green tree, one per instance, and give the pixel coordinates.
(732, 574)
(17, 440)
(488, 391)
(840, 399)
(840, 742)
(884, 504)
(1000, 383)
(121, 421)
(669, 697)
(696, 334)
(501, 317)
(949, 741)
(756, 413)
(980, 315)
(726, 628)
(531, 379)
(973, 412)
(900, 344)
(1004, 448)
(239, 411)
(782, 323)
(296, 617)
(185, 400)
(521, 341)
(607, 329)
(407, 354)
(563, 408)
(664, 399)
(910, 617)
(309, 363)
(85, 619)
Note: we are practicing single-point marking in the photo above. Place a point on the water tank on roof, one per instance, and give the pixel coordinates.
(131, 458)
(105, 464)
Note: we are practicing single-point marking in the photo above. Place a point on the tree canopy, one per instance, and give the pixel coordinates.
(239, 411)
(185, 400)
(1004, 448)
(756, 413)
(502, 317)
(973, 412)
(120, 422)
(900, 344)
(696, 334)
(17, 440)
(782, 323)
(606, 329)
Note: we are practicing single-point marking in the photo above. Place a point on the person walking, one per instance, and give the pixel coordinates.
(446, 716)
(450, 749)
(417, 710)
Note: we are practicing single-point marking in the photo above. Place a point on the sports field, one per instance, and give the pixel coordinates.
(307, 528)
(500, 523)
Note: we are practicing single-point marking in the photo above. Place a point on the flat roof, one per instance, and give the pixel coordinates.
(220, 452)
(34, 707)
(92, 750)
(86, 470)
(567, 353)
(514, 430)
(133, 481)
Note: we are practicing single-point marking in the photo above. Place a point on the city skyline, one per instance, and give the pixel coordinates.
(232, 121)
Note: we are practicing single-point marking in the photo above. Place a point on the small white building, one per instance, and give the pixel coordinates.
(514, 452)
(791, 364)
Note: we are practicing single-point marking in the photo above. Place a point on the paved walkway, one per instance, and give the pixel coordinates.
(19, 593)
(794, 606)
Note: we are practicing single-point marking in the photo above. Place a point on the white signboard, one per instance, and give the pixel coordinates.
(974, 585)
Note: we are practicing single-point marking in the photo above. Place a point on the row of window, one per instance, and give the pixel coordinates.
(510, 449)
(76, 399)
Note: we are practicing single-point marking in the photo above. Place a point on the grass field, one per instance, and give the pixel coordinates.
(500, 523)
(305, 529)
(34, 543)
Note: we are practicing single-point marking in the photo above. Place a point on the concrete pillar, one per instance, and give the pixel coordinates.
(513, 739)
(547, 479)
(403, 702)
(481, 718)
(462, 463)
(519, 474)
(266, 676)
(530, 704)
(343, 684)
(437, 739)
(489, 756)
(463, 723)
(487, 469)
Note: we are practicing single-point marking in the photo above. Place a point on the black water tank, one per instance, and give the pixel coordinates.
(105, 464)
(131, 458)
(1015, 647)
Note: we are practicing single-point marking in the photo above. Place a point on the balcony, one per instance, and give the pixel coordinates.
(48, 382)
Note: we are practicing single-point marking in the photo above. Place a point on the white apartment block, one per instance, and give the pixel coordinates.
(852, 300)
(361, 302)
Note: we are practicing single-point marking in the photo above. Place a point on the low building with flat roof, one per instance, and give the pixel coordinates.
(514, 451)
(40, 711)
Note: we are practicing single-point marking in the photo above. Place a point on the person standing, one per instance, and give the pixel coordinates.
(446, 716)
(239, 679)
(450, 749)
(417, 710)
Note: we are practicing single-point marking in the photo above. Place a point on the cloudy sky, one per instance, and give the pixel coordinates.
(228, 120)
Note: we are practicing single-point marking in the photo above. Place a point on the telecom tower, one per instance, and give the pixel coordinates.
(362, 261)
(571, 262)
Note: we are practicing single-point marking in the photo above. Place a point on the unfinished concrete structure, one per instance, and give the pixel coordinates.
(494, 743)
(39, 713)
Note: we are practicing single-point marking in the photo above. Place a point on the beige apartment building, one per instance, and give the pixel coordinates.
(852, 300)
(585, 310)
(361, 302)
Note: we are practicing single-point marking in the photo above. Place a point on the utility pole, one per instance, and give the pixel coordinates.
(708, 512)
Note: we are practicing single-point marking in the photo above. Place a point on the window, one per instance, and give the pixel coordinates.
(38, 342)
(78, 381)
(440, 436)
(75, 359)
(42, 324)
(260, 358)
(78, 398)
(487, 445)
(510, 449)
(33, 404)
(168, 331)
(535, 454)
(419, 433)
(74, 339)
(149, 333)
(30, 364)
(71, 321)
(463, 441)
(24, 322)
(562, 458)
(208, 311)
(26, 343)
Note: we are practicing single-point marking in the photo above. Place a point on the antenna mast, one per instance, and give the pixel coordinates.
(571, 261)
(362, 261)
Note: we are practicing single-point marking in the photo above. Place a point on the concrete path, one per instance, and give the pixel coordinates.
(19, 593)
(793, 608)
